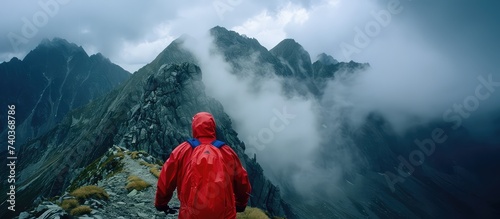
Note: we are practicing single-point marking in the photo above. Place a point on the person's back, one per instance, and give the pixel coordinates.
(210, 180)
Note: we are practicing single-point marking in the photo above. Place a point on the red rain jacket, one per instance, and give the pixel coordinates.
(174, 170)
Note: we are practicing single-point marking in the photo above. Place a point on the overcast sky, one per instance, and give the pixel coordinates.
(421, 51)
(132, 33)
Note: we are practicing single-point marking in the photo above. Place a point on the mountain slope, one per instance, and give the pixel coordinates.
(152, 114)
(54, 78)
(123, 183)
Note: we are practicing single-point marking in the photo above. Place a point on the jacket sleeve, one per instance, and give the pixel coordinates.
(241, 184)
(167, 182)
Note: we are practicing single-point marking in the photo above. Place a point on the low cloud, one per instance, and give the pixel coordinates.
(281, 131)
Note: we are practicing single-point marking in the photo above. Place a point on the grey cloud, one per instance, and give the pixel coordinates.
(106, 26)
(423, 62)
(293, 135)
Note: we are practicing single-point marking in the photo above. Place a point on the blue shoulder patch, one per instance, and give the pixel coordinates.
(218, 143)
(193, 142)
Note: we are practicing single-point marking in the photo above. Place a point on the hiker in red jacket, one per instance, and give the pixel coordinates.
(208, 175)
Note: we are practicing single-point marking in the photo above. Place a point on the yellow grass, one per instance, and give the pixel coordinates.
(81, 210)
(91, 191)
(136, 183)
(155, 171)
(68, 204)
(159, 162)
(153, 168)
(120, 154)
(135, 154)
(144, 163)
(252, 213)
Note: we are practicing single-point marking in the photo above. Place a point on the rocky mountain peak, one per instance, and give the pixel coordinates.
(173, 53)
(238, 49)
(326, 59)
(233, 37)
(290, 44)
(14, 59)
(100, 56)
(60, 45)
(293, 55)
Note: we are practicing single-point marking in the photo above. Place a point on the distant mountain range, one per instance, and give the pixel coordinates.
(54, 78)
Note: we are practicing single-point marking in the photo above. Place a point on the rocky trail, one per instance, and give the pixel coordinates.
(128, 190)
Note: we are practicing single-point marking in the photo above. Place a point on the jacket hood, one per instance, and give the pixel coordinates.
(203, 126)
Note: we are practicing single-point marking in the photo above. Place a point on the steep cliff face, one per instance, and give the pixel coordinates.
(148, 113)
(54, 78)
